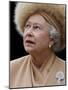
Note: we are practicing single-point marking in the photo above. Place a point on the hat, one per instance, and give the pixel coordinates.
(54, 11)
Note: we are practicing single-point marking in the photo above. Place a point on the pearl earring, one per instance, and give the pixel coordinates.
(50, 45)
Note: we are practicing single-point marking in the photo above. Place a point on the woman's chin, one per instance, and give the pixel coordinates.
(29, 49)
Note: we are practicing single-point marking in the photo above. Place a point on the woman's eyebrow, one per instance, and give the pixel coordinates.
(35, 23)
(28, 22)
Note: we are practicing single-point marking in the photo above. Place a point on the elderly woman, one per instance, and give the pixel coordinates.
(43, 29)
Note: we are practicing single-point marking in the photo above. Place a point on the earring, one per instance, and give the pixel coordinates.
(50, 45)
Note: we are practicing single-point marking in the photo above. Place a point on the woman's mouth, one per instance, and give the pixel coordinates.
(29, 42)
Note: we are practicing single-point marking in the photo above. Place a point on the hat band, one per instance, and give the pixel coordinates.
(48, 19)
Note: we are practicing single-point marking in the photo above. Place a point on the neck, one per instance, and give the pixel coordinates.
(39, 58)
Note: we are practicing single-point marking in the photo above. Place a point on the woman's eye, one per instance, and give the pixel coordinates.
(27, 26)
(36, 27)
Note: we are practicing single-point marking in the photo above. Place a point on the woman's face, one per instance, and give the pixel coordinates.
(36, 37)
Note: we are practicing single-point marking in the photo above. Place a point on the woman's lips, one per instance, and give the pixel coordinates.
(29, 42)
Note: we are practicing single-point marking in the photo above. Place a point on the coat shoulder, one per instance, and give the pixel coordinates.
(17, 63)
(19, 60)
(60, 63)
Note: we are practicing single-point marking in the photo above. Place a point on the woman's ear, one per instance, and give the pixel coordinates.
(51, 43)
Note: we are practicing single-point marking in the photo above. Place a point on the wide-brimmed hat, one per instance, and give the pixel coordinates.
(56, 12)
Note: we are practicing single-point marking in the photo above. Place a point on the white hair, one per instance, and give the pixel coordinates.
(55, 35)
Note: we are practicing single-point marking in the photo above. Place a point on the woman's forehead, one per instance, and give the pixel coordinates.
(37, 19)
